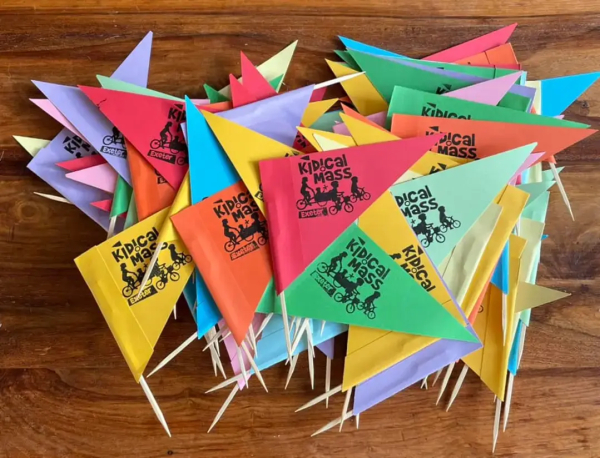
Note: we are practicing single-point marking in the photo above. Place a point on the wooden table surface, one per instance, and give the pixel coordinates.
(65, 390)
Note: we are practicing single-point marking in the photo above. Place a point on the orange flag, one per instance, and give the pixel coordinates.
(228, 239)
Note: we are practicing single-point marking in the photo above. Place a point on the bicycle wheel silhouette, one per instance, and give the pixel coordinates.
(425, 242)
(322, 203)
(301, 204)
(176, 265)
(370, 314)
(440, 238)
(455, 224)
(360, 306)
(338, 297)
(348, 207)
(174, 276)
(187, 259)
(350, 307)
(443, 228)
(180, 160)
(229, 246)
(155, 144)
(262, 240)
(127, 291)
(322, 267)
(160, 284)
(353, 198)
(333, 210)
(366, 196)
(107, 140)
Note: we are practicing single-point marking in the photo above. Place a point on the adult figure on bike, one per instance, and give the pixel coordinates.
(229, 232)
(306, 190)
(336, 263)
(127, 276)
(165, 134)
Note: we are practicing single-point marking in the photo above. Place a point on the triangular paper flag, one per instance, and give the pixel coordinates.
(152, 192)
(227, 236)
(213, 95)
(315, 110)
(151, 124)
(501, 273)
(376, 120)
(411, 102)
(535, 190)
(326, 144)
(275, 67)
(113, 271)
(254, 83)
(474, 46)
(530, 296)
(501, 56)
(468, 138)
(442, 207)
(116, 85)
(103, 205)
(489, 92)
(47, 106)
(86, 118)
(121, 198)
(340, 286)
(245, 148)
(101, 176)
(312, 199)
(309, 134)
(31, 145)
(240, 96)
(361, 91)
(81, 163)
(559, 93)
(362, 47)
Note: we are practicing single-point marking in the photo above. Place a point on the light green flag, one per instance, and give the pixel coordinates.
(132, 216)
(412, 102)
(213, 95)
(355, 282)
(443, 206)
(121, 198)
(386, 74)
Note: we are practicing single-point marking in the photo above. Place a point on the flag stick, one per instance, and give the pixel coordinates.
(252, 338)
(286, 324)
(224, 406)
(445, 382)
(291, 370)
(327, 379)
(264, 324)
(255, 367)
(320, 398)
(504, 316)
(154, 405)
(509, 390)
(298, 336)
(175, 311)
(323, 326)
(561, 188)
(111, 231)
(345, 408)
(424, 384)
(149, 269)
(341, 79)
(522, 343)
(496, 424)
(311, 356)
(437, 376)
(174, 353)
(54, 198)
(242, 366)
(215, 337)
(357, 420)
(229, 381)
(458, 385)
(332, 423)
(224, 336)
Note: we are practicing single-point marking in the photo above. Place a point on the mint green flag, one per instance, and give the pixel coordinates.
(355, 282)
(121, 198)
(348, 59)
(116, 85)
(535, 190)
(213, 95)
(443, 206)
(411, 102)
(386, 74)
(276, 82)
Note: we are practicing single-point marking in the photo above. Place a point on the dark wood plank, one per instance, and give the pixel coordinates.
(64, 387)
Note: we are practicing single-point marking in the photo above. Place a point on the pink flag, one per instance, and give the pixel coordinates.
(489, 92)
(101, 177)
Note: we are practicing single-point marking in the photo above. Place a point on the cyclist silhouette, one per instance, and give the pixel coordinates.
(334, 191)
(116, 135)
(255, 226)
(354, 189)
(165, 134)
(370, 301)
(127, 276)
(422, 227)
(444, 221)
(229, 232)
(306, 190)
(336, 263)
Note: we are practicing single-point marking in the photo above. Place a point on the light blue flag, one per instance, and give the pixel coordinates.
(500, 276)
(362, 47)
(559, 93)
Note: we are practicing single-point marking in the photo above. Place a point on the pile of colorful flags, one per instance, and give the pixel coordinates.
(405, 218)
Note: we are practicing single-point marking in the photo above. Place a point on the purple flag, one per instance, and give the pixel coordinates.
(63, 147)
(85, 116)
(327, 347)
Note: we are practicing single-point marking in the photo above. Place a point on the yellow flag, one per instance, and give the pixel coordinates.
(182, 200)
(113, 271)
(31, 145)
(245, 149)
(309, 134)
(361, 91)
(371, 351)
(315, 110)
(530, 296)
(512, 201)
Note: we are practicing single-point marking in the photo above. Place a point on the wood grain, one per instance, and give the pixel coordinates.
(65, 390)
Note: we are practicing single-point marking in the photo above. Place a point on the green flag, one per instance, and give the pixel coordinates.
(411, 102)
(355, 282)
(386, 74)
(213, 95)
(132, 217)
(116, 85)
(276, 83)
(121, 198)
(346, 57)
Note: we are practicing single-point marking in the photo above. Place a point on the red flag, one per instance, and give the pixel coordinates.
(239, 94)
(73, 165)
(151, 124)
(310, 200)
(254, 83)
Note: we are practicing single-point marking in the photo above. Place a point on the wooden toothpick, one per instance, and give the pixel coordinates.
(508, 399)
(496, 424)
(311, 361)
(341, 79)
(424, 384)
(154, 405)
(54, 198)
(174, 353)
(332, 423)
(286, 325)
(320, 398)
(224, 406)
(437, 376)
(175, 311)
(242, 366)
(357, 420)
(111, 231)
(229, 381)
(150, 267)
(254, 366)
(327, 379)
(264, 324)
(458, 385)
(215, 337)
(561, 189)
(445, 382)
(291, 370)
(345, 408)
